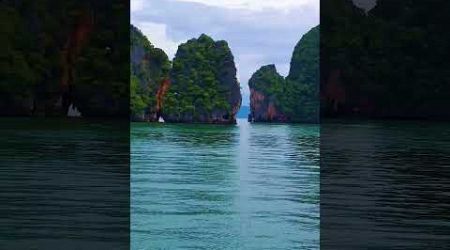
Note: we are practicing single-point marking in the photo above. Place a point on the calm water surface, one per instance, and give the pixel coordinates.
(249, 186)
(385, 185)
(64, 184)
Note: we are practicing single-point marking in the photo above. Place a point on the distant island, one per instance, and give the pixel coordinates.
(244, 111)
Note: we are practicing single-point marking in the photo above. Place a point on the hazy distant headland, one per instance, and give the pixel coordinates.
(200, 85)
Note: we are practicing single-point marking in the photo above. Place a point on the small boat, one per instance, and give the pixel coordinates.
(73, 111)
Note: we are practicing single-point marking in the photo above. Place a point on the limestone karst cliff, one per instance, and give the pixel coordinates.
(385, 62)
(149, 77)
(61, 54)
(266, 87)
(294, 98)
(203, 84)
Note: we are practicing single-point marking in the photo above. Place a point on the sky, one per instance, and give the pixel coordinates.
(259, 32)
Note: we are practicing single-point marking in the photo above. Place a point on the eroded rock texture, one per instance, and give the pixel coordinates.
(61, 54)
(294, 99)
(204, 87)
(266, 87)
(149, 78)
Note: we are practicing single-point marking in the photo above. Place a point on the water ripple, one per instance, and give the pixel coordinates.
(250, 186)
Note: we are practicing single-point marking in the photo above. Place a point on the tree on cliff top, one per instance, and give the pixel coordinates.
(38, 34)
(301, 99)
(149, 66)
(203, 79)
(268, 81)
(297, 96)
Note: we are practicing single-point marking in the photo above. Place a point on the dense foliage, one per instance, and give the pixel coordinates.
(28, 58)
(300, 100)
(149, 66)
(36, 35)
(203, 82)
(390, 61)
(268, 81)
(297, 96)
(101, 85)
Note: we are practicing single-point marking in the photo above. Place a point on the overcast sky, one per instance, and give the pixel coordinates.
(259, 32)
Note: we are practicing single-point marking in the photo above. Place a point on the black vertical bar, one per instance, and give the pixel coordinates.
(385, 135)
(64, 125)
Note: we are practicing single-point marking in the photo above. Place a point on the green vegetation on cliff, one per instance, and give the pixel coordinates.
(300, 101)
(388, 62)
(267, 80)
(139, 97)
(267, 88)
(58, 53)
(101, 69)
(27, 61)
(296, 98)
(149, 67)
(204, 87)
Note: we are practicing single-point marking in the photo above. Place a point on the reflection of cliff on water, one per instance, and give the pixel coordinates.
(65, 183)
(384, 184)
(192, 134)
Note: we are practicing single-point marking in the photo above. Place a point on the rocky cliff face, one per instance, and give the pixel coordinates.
(101, 86)
(62, 54)
(266, 86)
(70, 53)
(203, 84)
(386, 65)
(301, 99)
(149, 78)
(294, 99)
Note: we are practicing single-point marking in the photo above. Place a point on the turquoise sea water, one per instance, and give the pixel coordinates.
(249, 186)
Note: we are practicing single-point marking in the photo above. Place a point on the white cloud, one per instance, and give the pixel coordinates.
(256, 5)
(157, 35)
(136, 5)
(246, 64)
(259, 32)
